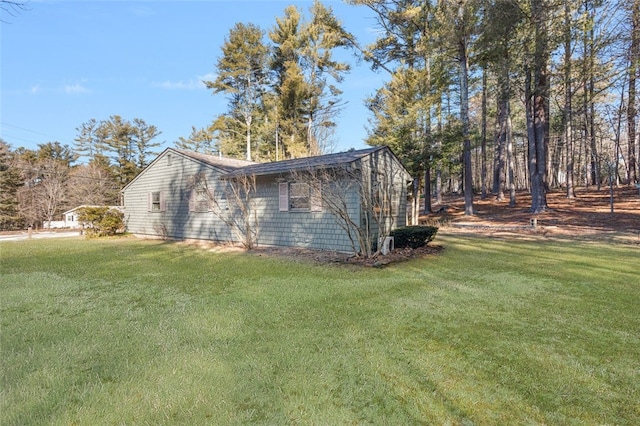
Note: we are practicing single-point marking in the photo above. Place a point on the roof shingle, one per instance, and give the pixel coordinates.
(226, 164)
(298, 164)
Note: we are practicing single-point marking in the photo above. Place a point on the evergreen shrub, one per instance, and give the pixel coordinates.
(101, 221)
(413, 236)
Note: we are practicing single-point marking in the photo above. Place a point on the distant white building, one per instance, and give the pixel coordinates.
(70, 218)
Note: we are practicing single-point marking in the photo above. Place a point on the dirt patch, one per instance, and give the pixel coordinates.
(587, 216)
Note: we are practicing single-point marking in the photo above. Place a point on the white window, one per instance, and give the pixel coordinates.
(156, 201)
(199, 201)
(299, 196)
(283, 190)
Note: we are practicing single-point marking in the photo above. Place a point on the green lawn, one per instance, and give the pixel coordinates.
(488, 332)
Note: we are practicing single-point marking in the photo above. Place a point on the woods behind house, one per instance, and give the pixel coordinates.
(480, 97)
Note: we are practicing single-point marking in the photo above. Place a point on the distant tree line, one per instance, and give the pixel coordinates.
(36, 186)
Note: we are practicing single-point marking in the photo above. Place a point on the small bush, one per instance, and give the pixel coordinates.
(101, 221)
(413, 236)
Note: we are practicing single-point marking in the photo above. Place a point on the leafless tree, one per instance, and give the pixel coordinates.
(44, 192)
(93, 185)
(235, 205)
(379, 196)
(12, 8)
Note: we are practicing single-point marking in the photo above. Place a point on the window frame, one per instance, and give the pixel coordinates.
(156, 202)
(201, 202)
(312, 194)
(299, 197)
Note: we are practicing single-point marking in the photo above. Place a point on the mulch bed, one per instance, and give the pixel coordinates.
(324, 257)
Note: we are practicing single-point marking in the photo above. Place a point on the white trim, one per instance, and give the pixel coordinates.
(283, 194)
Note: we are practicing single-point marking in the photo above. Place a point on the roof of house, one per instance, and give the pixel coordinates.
(235, 168)
(226, 164)
(307, 163)
(90, 206)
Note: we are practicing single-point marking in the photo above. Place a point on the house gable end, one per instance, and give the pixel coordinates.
(224, 165)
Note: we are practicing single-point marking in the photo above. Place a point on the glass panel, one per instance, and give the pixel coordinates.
(299, 196)
(155, 201)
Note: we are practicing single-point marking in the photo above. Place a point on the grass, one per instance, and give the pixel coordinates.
(488, 332)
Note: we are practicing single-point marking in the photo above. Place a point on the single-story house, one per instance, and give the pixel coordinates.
(307, 202)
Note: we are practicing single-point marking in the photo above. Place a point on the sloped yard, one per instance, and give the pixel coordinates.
(485, 332)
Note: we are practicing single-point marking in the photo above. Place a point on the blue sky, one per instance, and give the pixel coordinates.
(65, 62)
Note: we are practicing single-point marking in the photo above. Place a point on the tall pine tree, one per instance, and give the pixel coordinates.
(242, 75)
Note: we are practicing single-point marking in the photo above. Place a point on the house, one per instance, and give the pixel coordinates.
(70, 218)
(325, 202)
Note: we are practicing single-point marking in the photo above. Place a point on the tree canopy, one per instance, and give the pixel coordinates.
(476, 97)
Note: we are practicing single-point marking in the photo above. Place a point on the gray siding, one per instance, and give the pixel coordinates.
(383, 167)
(173, 178)
(309, 229)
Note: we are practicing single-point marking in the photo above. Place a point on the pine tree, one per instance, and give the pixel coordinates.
(10, 182)
(228, 132)
(90, 141)
(321, 36)
(291, 88)
(568, 97)
(538, 104)
(405, 50)
(200, 140)
(120, 144)
(499, 31)
(143, 136)
(242, 75)
(127, 145)
(306, 76)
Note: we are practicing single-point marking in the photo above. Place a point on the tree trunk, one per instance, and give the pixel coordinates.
(595, 159)
(568, 96)
(483, 146)
(439, 186)
(248, 137)
(540, 124)
(427, 189)
(512, 184)
(501, 137)
(618, 131)
(464, 117)
(588, 96)
(634, 70)
(415, 205)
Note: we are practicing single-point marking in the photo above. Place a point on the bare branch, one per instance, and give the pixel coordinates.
(12, 8)
(235, 207)
(377, 194)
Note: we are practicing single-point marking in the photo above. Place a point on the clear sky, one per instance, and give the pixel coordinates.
(65, 62)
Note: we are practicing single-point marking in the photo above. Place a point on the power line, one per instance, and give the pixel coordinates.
(9, 138)
(3, 124)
